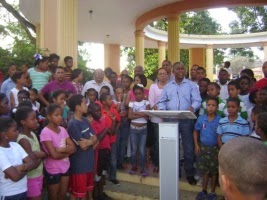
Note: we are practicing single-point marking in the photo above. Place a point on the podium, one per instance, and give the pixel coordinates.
(169, 151)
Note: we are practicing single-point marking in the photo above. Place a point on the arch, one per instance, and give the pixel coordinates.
(184, 6)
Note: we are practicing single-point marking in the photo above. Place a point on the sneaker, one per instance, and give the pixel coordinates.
(144, 174)
(201, 196)
(133, 170)
(211, 196)
(115, 181)
(191, 180)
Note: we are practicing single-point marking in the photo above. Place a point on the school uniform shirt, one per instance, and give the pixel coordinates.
(245, 99)
(242, 111)
(207, 129)
(203, 108)
(82, 161)
(11, 156)
(229, 131)
(7, 86)
(224, 90)
(139, 106)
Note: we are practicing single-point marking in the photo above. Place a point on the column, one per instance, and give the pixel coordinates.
(59, 28)
(197, 56)
(139, 48)
(265, 51)
(161, 52)
(173, 39)
(209, 62)
(112, 57)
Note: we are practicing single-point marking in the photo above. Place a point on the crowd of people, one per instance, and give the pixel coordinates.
(71, 137)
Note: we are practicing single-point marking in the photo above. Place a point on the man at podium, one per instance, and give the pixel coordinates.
(182, 94)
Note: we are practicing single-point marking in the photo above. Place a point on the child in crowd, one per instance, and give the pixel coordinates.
(39, 74)
(244, 83)
(77, 78)
(15, 162)
(123, 131)
(58, 145)
(207, 148)
(22, 95)
(68, 60)
(242, 169)
(20, 80)
(82, 161)
(91, 95)
(112, 121)
(223, 77)
(261, 126)
(213, 90)
(4, 105)
(263, 96)
(233, 125)
(126, 84)
(250, 74)
(26, 119)
(33, 97)
(138, 128)
(201, 73)
(138, 79)
(203, 86)
(58, 98)
(104, 89)
(256, 110)
(234, 90)
(103, 151)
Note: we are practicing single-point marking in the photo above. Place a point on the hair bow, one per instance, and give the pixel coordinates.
(140, 85)
(38, 56)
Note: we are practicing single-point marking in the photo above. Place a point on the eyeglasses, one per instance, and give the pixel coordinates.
(162, 74)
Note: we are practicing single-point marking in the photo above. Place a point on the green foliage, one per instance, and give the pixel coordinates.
(251, 19)
(199, 23)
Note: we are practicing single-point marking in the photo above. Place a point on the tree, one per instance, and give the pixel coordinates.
(250, 20)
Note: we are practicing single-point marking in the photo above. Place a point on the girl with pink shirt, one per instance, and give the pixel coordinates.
(138, 79)
(58, 145)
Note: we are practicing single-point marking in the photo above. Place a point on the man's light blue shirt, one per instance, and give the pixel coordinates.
(7, 86)
(180, 96)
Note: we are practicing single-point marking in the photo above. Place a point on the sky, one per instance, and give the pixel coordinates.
(96, 51)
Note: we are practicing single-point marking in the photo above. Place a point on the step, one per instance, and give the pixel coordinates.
(153, 180)
(136, 191)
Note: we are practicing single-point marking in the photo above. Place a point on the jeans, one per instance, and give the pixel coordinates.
(113, 161)
(186, 128)
(121, 141)
(156, 144)
(138, 140)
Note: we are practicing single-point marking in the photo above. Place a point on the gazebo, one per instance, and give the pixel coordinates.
(62, 23)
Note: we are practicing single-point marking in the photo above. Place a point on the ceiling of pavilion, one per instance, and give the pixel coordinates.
(114, 21)
(115, 18)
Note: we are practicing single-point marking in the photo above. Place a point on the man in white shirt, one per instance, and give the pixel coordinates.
(97, 83)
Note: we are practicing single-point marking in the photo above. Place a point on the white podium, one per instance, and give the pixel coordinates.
(169, 151)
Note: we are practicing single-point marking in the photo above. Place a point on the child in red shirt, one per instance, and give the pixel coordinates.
(112, 121)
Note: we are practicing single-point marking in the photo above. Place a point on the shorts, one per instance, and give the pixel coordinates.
(52, 179)
(35, 186)
(80, 184)
(208, 159)
(103, 161)
(21, 196)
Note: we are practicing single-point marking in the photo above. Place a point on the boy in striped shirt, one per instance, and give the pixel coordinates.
(233, 125)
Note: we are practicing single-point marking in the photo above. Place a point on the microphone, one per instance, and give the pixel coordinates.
(164, 101)
(178, 100)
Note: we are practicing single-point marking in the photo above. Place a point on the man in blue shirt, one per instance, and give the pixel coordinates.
(183, 94)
